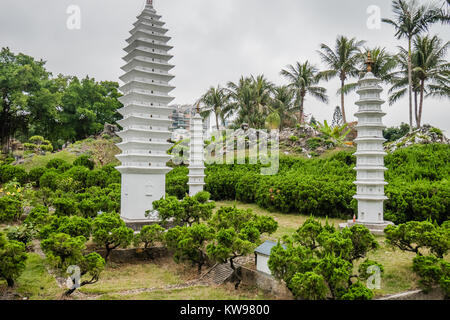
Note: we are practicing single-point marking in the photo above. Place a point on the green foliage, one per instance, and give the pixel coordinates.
(432, 271)
(176, 182)
(188, 243)
(293, 138)
(357, 291)
(74, 226)
(50, 180)
(316, 262)
(309, 285)
(109, 231)
(10, 208)
(65, 207)
(96, 178)
(314, 143)
(188, 211)
(149, 235)
(238, 233)
(394, 133)
(38, 216)
(9, 173)
(12, 259)
(56, 164)
(415, 236)
(84, 161)
(23, 233)
(35, 175)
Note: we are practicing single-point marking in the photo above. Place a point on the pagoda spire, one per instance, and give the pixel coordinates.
(150, 3)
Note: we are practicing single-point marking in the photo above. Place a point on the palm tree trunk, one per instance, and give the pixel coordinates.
(302, 111)
(216, 113)
(342, 100)
(410, 84)
(422, 88)
(416, 108)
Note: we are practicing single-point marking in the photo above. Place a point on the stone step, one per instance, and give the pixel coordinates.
(219, 274)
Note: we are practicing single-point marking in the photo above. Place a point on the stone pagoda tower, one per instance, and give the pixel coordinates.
(370, 154)
(145, 116)
(196, 159)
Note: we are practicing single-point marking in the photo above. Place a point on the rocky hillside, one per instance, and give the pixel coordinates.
(425, 135)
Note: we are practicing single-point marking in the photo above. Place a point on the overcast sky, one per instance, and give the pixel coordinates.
(215, 41)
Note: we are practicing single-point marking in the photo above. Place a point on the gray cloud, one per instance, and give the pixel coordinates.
(214, 41)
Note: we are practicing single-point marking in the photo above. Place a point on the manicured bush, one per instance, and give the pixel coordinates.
(78, 173)
(38, 216)
(56, 163)
(50, 179)
(10, 208)
(84, 161)
(9, 173)
(65, 207)
(96, 178)
(176, 182)
(12, 259)
(35, 175)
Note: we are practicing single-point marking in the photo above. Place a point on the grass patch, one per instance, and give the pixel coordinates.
(224, 292)
(41, 161)
(287, 223)
(124, 277)
(36, 283)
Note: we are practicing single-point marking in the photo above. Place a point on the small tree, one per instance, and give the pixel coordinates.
(188, 211)
(414, 236)
(109, 231)
(316, 262)
(189, 243)
(64, 251)
(84, 161)
(238, 233)
(149, 235)
(12, 259)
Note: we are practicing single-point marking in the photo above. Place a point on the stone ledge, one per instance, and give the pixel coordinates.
(375, 228)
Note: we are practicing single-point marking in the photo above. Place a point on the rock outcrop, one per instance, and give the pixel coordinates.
(424, 135)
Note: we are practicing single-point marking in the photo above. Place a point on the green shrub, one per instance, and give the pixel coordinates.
(35, 175)
(96, 178)
(78, 173)
(38, 216)
(314, 143)
(50, 179)
(56, 163)
(10, 209)
(65, 207)
(9, 173)
(84, 161)
(176, 182)
(12, 259)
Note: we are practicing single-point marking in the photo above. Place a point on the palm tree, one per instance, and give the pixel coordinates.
(400, 83)
(215, 101)
(411, 19)
(431, 66)
(304, 79)
(283, 104)
(342, 63)
(251, 98)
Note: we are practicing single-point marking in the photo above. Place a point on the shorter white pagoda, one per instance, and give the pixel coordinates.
(196, 158)
(370, 155)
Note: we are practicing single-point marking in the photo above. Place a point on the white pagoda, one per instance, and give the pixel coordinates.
(370, 155)
(145, 113)
(196, 158)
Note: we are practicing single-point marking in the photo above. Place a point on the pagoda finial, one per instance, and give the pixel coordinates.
(150, 3)
(369, 62)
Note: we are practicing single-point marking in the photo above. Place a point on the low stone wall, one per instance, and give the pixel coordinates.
(265, 283)
(135, 255)
(434, 294)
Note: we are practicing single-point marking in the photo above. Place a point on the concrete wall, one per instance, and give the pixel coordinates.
(262, 264)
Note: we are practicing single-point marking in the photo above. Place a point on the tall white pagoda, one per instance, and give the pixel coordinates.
(145, 113)
(197, 157)
(370, 154)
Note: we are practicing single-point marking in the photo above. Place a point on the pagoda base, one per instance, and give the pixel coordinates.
(137, 225)
(375, 228)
